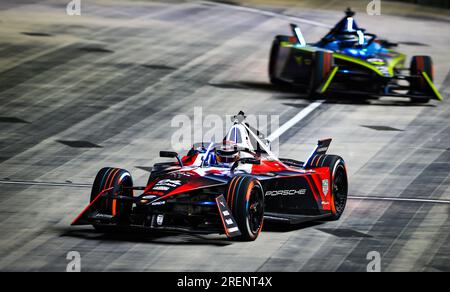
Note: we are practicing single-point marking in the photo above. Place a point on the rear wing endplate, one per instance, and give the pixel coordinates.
(432, 87)
(321, 149)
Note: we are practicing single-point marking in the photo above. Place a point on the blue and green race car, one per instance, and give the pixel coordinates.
(349, 60)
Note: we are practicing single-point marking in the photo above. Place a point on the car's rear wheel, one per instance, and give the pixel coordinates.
(338, 185)
(120, 183)
(246, 201)
(419, 85)
(273, 63)
(321, 68)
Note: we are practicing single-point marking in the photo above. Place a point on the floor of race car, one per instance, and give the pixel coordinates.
(78, 93)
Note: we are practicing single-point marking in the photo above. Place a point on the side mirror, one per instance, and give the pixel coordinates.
(170, 154)
(245, 161)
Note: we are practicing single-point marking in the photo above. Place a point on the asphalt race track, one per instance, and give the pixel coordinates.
(114, 77)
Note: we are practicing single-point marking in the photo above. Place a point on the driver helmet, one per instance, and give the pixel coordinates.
(347, 38)
(227, 154)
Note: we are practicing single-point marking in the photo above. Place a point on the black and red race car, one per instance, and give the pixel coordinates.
(228, 188)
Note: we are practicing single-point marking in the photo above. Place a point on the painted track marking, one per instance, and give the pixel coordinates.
(47, 184)
(297, 118)
(269, 13)
(81, 185)
(413, 200)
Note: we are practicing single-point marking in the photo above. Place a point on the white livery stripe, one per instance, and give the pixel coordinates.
(234, 229)
(229, 222)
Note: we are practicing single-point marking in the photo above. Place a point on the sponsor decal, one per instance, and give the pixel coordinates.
(376, 61)
(150, 197)
(229, 223)
(234, 229)
(161, 188)
(102, 216)
(168, 183)
(160, 220)
(285, 193)
(383, 69)
(323, 149)
(325, 187)
(156, 193)
(159, 203)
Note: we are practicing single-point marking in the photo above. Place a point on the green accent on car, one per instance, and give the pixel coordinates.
(436, 92)
(359, 62)
(394, 62)
(329, 79)
(379, 63)
(287, 44)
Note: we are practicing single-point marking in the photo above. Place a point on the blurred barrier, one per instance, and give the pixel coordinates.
(435, 3)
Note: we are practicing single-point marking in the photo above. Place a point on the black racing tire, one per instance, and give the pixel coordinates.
(121, 182)
(322, 66)
(273, 62)
(246, 201)
(338, 185)
(418, 65)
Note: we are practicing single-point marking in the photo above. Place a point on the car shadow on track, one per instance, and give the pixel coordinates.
(373, 101)
(290, 92)
(282, 227)
(172, 238)
(167, 238)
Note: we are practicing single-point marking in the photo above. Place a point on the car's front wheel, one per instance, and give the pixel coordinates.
(246, 201)
(419, 65)
(118, 182)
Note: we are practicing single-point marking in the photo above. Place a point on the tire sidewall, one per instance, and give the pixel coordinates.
(109, 177)
(421, 64)
(273, 61)
(243, 189)
(337, 164)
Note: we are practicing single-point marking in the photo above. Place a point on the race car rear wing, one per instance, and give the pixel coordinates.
(321, 149)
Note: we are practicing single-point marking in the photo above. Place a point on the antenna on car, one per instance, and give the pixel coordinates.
(239, 118)
(349, 12)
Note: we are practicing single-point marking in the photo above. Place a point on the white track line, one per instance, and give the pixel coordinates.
(48, 184)
(269, 13)
(297, 118)
(309, 109)
(413, 200)
(79, 185)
